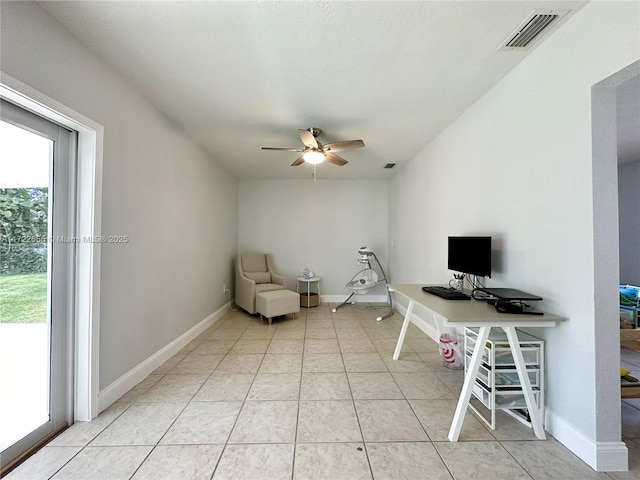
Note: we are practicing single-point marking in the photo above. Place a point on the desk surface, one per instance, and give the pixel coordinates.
(472, 313)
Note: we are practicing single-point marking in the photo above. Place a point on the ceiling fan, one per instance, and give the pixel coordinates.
(314, 152)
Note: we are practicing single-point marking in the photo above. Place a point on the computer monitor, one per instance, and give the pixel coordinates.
(471, 255)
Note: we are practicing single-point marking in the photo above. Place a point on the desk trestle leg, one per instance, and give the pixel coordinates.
(467, 387)
(403, 331)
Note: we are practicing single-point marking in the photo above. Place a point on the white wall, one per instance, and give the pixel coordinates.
(319, 225)
(629, 202)
(518, 166)
(177, 205)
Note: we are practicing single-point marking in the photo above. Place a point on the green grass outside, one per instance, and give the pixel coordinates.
(23, 298)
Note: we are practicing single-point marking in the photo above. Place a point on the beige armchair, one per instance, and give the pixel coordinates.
(254, 274)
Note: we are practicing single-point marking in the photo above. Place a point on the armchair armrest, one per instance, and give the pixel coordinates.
(245, 290)
(275, 278)
(279, 279)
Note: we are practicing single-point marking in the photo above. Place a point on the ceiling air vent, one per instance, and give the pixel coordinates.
(390, 165)
(531, 28)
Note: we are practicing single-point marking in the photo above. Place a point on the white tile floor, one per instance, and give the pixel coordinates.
(316, 397)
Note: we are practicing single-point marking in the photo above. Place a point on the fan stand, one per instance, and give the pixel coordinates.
(358, 291)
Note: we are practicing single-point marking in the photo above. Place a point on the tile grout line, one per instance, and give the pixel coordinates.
(295, 434)
(421, 424)
(224, 447)
(181, 412)
(83, 447)
(353, 402)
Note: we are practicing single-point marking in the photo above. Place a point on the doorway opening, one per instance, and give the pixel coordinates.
(606, 247)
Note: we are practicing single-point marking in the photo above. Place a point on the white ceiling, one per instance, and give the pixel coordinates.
(236, 76)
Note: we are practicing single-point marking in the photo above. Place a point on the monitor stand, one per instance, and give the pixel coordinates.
(515, 306)
(510, 300)
(509, 294)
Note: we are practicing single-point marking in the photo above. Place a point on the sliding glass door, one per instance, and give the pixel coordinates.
(36, 271)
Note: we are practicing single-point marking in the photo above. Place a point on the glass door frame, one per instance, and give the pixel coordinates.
(86, 401)
(60, 273)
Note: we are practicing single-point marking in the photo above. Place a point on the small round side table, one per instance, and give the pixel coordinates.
(312, 299)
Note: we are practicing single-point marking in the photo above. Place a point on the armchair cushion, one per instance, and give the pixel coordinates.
(259, 277)
(268, 287)
(254, 262)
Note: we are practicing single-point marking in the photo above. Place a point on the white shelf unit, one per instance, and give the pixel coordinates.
(497, 386)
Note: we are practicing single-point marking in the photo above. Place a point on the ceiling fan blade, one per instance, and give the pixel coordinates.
(299, 161)
(342, 146)
(335, 159)
(307, 138)
(283, 149)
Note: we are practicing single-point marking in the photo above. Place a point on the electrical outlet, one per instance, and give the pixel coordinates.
(224, 288)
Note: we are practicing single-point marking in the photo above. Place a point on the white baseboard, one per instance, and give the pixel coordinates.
(601, 456)
(133, 377)
(612, 457)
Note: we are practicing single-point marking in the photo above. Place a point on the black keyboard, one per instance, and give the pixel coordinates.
(447, 293)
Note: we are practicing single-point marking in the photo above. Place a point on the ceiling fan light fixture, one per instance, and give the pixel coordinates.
(314, 157)
(315, 153)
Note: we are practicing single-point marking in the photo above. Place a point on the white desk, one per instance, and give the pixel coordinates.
(473, 313)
